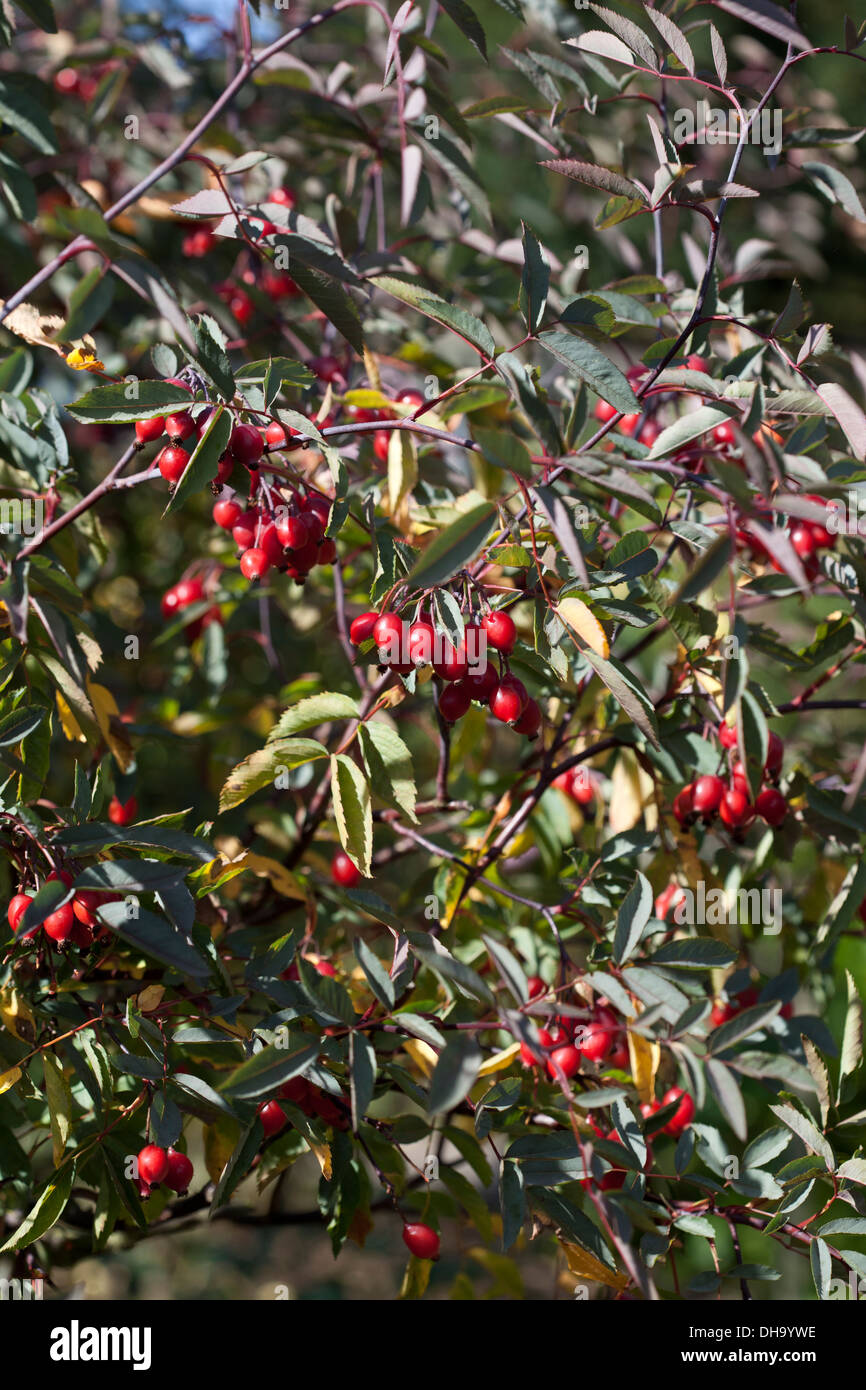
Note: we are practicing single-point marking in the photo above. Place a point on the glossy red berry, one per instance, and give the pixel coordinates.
(344, 872)
(254, 563)
(595, 1040)
(482, 684)
(529, 722)
(735, 809)
(146, 431)
(684, 1113)
(775, 754)
(454, 701)
(381, 441)
(421, 1241)
(16, 909)
(275, 435)
(179, 1174)
(451, 663)
(724, 434)
(246, 528)
(771, 806)
(152, 1164)
(508, 700)
(284, 196)
(171, 462)
(707, 795)
(604, 412)
(565, 1060)
(272, 1116)
(227, 514)
(388, 634)
(246, 444)
(197, 244)
(727, 735)
(803, 541)
(362, 627)
(500, 630)
(422, 639)
(179, 426)
(696, 363)
(722, 1013)
(536, 986)
(683, 805)
(122, 812)
(84, 906)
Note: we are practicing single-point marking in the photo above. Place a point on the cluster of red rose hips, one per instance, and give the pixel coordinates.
(276, 284)
(806, 537)
(80, 82)
(75, 921)
(572, 1042)
(314, 1102)
(709, 796)
(287, 535)
(167, 1166)
(185, 594)
(405, 647)
(577, 784)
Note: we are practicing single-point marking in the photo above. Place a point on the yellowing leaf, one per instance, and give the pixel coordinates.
(16, 1016)
(627, 795)
(150, 998)
(84, 360)
(586, 1266)
(219, 1143)
(323, 1158)
(9, 1078)
(500, 1060)
(422, 1054)
(111, 726)
(68, 723)
(227, 866)
(579, 619)
(645, 1057)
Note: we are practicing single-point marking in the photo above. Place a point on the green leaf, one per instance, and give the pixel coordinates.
(852, 1038)
(467, 22)
(238, 1165)
(535, 280)
(690, 426)
(131, 875)
(378, 979)
(315, 709)
(263, 1074)
(454, 1075)
(805, 1131)
(19, 110)
(698, 953)
(633, 915)
(728, 1092)
(749, 1021)
(47, 1210)
(821, 1264)
(591, 365)
(155, 937)
(389, 766)
(211, 352)
(505, 450)
(836, 187)
(99, 835)
(594, 176)
(362, 1075)
(453, 548)
(88, 302)
(59, 1098)
(628, 692)
(204, 459)
(352, 810)
(265, 766)
(334, 301)
(126, 401)
(41, 12)
(460, 321)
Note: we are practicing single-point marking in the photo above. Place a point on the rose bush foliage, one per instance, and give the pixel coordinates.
(434, 312)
